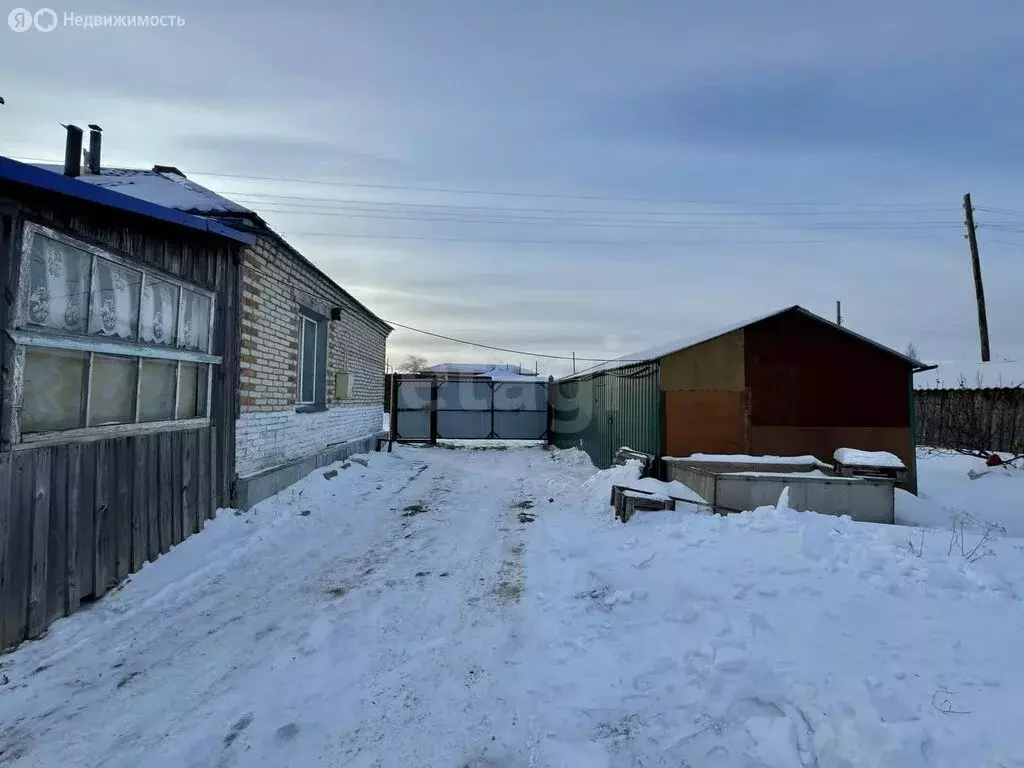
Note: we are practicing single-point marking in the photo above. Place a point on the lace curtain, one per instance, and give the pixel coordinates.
(58, 285)
(159, 313)
(71, 291)
(114, 307)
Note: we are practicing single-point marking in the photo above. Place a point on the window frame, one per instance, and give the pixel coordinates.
(321, 350)
(25, 335)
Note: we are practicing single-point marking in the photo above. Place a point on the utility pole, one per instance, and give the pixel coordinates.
(839, 312)
(979, 288)
(574, 362)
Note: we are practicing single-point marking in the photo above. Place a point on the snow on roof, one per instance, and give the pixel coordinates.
(57, 182)
(493, 371)
(662, 350)
(163, 187)
(852, 457)
(950, 374)
(742, 458)
(791, 475)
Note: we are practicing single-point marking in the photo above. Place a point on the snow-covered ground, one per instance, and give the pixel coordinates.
(482, 608)
(946, 491)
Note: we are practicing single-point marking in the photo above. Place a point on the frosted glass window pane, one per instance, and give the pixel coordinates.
(192, 390)
(156, 390)
(54, 386)
(114, 309)
(58, 285)
(159, 312)
(194, 326)
(307, 364)
(112, 396)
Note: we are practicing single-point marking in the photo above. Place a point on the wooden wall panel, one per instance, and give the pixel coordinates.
(77, 518)
(705, 421)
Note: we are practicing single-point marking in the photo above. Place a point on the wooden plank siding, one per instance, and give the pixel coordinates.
(77, 518)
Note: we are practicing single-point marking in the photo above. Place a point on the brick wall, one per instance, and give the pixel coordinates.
(275, 282)
(269, 439)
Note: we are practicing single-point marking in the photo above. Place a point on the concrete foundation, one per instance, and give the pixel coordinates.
(869, 500)
(251, 490)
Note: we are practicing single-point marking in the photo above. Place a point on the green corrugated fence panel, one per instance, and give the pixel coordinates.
(600, 414)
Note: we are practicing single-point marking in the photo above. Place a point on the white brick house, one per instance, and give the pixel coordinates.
(312, 371)
(311, 382)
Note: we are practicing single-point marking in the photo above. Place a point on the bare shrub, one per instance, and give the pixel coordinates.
(965, 522)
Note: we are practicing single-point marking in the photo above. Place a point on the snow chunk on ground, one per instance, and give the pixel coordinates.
(853, 457)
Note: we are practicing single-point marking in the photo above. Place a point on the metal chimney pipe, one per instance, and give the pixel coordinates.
(73, 151)
(95, 144)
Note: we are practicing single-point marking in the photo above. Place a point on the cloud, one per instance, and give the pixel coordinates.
(861, 104)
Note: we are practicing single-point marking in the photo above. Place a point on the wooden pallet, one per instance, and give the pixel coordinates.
(628, 501)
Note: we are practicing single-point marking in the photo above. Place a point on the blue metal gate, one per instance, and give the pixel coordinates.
(428, 409)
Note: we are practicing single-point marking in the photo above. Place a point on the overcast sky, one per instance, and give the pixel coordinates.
(683, 165)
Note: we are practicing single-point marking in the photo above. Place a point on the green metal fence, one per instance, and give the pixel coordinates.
(602, 412)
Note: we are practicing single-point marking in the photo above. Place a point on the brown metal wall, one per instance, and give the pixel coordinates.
(806, 373)
(814, 389)
(77, 518)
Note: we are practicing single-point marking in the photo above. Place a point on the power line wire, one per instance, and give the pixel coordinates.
(510, 193)
(1006, 211)
(655, 224)
(463, 341)
(256, 198)
(541, 241)
(510, 351)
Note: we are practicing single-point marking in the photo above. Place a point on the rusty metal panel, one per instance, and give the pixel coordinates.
(705, 421)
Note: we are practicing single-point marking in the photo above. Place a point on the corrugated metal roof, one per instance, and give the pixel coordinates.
(663, 350)
(164, 187)
(58, 183)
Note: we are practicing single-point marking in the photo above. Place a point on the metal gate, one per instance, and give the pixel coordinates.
(429, 409)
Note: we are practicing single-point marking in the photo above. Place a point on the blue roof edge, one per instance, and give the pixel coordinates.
(22, 173)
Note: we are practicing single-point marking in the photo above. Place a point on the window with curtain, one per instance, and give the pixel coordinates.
(105, 341)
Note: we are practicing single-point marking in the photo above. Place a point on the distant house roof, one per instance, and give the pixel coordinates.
(57, 183)
(161, 186)
(953, 375)
(671, 347)
(493, 371)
